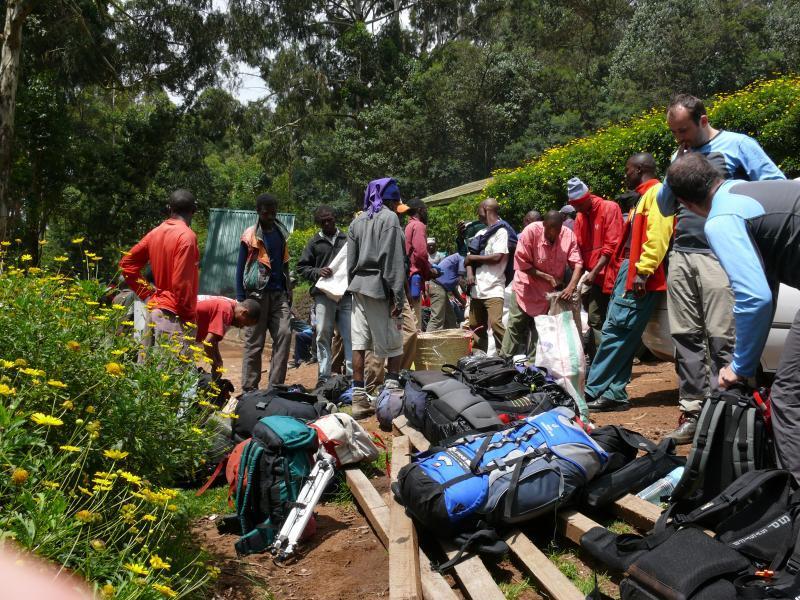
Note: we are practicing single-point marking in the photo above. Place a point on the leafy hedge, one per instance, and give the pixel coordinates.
(766, 110)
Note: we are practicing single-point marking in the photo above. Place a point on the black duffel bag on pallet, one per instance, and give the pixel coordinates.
(277, 401)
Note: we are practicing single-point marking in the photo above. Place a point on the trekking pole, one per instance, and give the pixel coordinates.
(295, 524)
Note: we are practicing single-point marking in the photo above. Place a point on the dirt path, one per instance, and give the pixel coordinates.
(345, 560)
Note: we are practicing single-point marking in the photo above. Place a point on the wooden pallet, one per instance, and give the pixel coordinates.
(472, 575)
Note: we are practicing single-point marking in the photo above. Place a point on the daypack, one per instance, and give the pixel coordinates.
(751, 524)
(216, 392)
(345, 439)
(415, 398)
(732, 438)
(452, 410)
(254, 406)
(477, 245)
(502, 477)
(333, 387)
(388, 405)
(493, 378)
(271, 471)
(625, 472)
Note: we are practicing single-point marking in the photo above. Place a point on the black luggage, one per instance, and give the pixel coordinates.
(453, 410)
(278, 401)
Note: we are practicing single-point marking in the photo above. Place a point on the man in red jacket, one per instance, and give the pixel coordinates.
(420, 269)
(171, 249)
(598, 228)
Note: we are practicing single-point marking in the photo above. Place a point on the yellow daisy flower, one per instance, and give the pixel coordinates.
(70, 448)
(78, 240)
(19, 476)
(47, 420)
(56, 383)
(166, 591)
(115, 369)
(115, 454)
(7, 391)
(137, 569)
(157, 562)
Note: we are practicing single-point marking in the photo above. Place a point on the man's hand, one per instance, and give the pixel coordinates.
(728, 378)
(589, 279)
(470, 280)
(568, 292)
(639, 283)
(325, 272)
(462, 227)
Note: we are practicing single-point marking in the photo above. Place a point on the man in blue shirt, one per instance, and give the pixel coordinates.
(262, 273)
(699, 298)
(442, 314)
(754, 229)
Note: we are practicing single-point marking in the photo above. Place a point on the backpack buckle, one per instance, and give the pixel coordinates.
(793, 565)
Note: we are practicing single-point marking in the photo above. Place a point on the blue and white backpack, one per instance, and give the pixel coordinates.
(502, 477)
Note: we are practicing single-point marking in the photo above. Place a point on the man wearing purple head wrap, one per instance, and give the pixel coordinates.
(376, 274)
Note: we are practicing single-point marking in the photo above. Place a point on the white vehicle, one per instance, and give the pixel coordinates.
(658, 340)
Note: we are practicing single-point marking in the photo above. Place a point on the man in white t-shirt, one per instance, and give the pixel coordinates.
(486, 275)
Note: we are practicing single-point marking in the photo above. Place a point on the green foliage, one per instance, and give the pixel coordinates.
(297, 242)
(83, 425)
(515, 589)
(768, 111)
(443, 221)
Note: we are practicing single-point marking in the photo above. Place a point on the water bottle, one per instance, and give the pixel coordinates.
(661, 488)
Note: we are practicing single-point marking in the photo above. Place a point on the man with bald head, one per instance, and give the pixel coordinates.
(532, 216)
(486, 273)
(635, 279)
(699, 298)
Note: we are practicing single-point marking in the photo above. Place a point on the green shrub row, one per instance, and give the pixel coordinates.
(767, 110)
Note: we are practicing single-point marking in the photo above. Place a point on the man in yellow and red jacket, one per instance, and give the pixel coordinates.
(635, 278)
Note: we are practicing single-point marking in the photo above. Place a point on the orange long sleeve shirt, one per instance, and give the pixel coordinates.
(171, 249)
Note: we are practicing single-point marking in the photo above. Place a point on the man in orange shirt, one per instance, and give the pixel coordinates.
(171, 249)
(215, 315)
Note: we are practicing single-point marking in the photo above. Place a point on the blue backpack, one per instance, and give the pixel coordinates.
(502, 477)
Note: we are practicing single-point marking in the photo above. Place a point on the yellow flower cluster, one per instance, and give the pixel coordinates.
(46, 420)
(115, 369)
(89, 517)
(115, 454)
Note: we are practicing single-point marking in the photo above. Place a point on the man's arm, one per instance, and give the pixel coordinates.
(729, 239)
(352, 253)
(573, 260)
(659, 233)
(131, 266)
(419, 252)
(756, 163)
(306, 266)
(211, 347)
(393, 251)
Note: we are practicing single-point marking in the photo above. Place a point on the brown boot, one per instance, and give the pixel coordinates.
(362, 406)
(684, 433)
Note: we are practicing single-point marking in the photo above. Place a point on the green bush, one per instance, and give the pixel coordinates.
(766, 110)
(443, 221)
(90, 440)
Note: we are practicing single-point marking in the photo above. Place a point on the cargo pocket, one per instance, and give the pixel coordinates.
(623, 312)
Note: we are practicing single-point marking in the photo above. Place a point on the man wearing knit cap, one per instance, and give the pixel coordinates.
(598, 228)
(376, 273)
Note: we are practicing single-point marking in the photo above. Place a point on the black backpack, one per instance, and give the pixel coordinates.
(496, 379)
(624, 472)
(276, 401)
(453, 410)
(732, 439)
(751, 524)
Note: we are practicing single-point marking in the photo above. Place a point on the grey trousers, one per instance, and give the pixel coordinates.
(275, 315)
(786, 403)
(520, 333)
(700, 305)
(442, 314)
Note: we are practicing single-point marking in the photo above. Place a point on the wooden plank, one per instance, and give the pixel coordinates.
(573, 525)
(371, 503)
(418, 440)
(543, 570)
(474, 577)
(639, 513)
(434, 586)
(404, 574)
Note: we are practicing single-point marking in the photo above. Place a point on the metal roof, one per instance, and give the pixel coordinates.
(447, 196)
(225, 228)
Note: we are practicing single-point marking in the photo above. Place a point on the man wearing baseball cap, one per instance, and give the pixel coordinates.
(598, 228)
(568, 214)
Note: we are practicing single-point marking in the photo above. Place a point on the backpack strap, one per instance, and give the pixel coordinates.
(701, 449)
(743, 460)
(247, 499)
(256, 540)
(483, 540)
(511, 492)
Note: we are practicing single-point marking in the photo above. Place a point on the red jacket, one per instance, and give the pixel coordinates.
(598, 233)
(171, 249)
(417, 248)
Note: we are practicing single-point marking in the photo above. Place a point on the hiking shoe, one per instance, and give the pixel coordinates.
(603, 404)
(362, 406)
(684, 433)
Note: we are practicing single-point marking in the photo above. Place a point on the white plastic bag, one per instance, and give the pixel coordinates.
(560, 351)
(335, 286)
(345, 439)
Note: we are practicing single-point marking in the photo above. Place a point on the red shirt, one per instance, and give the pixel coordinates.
(598, 232)
(417, 248)
(171, 249)
(214, 315)
(533, 250)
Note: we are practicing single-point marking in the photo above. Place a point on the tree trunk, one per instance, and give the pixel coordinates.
(16, 12)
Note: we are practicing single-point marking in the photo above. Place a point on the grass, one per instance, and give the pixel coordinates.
(214, 501)
(343, 496)
(567, 563)
(514, 590)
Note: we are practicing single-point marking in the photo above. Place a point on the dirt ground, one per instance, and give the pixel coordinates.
(344, 559)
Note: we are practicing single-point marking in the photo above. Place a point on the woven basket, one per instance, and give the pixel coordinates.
(436, 348)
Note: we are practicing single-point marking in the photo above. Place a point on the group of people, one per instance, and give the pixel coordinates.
(717, 235)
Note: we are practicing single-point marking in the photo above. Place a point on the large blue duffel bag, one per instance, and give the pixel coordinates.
(503, 477)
